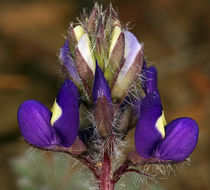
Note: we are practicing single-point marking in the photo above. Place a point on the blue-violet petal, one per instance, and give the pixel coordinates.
(147, 134)
(100, 86)
(65, 117)
(68, 62)
(181, 139)
(34, 123)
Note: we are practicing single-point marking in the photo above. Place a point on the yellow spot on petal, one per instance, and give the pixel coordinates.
(115, 35)
(79, 31)
(56, 113)
(161, 123)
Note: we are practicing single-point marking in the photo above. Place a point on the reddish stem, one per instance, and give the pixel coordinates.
(105, 182)
(121, 170)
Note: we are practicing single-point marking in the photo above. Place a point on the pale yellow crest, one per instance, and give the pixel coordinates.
(56, 113)
(115, 35)
(79, 31)
(161, 123)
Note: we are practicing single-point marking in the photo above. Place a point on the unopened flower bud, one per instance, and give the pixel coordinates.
(104, 115)
(93, 19)
(116, 54)
(131, 67)
(74, 34)
(112, 19)
(125, 119)
(85, 61)
(68, 65)
(103, 109)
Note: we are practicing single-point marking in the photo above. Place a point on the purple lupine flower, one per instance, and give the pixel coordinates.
(153, 137)
(116, 92)
(42, 128)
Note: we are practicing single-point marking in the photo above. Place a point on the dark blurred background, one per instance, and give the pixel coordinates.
(176, 37)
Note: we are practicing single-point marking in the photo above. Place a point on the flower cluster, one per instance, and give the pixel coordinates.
(102, 63)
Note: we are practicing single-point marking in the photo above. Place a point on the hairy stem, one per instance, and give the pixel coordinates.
(105, 182)
(121, 170)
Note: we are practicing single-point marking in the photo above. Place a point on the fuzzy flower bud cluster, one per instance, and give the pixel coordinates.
(102, 39)
(106, 75)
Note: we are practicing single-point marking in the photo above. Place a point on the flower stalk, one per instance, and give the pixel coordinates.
(106, 182)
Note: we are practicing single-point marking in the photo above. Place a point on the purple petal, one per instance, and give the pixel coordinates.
(181, 139)
(65, 57)
(151, 80)
(100, 86)
(147, 135)
(66, 123)
(143, 72)
(149, 83)
(34, 123)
